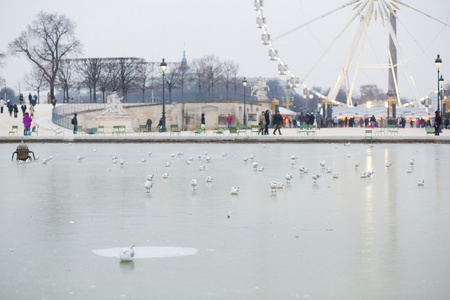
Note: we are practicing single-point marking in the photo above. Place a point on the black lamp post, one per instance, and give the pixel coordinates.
(244, 83)
(438, 62)
(441, 81)
(163, 66)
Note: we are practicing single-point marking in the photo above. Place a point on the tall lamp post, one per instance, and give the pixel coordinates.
(438, 62)
(441, 81)
(244, 83)
(163, 66)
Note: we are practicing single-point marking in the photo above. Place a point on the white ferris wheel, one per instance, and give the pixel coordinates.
(351, 42)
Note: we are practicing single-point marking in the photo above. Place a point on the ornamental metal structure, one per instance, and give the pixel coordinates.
(364, 13)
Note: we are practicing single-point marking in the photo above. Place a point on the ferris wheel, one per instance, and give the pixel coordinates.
(355, 42)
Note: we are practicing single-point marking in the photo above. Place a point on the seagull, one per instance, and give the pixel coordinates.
(252, 156)
(143, 160)
(335, 175)
(288, 177)
(148, 185)
(208, 159)
(293, 157)
(209, 179)
(421, 182)
(261, 169)
(20, 162)
(349, 155)
(409, 170)
(315, 176)
(113, 157)
(412, 162)
(114, 161)
(168, 164)
(280, 185)
(126, 254)
(301, 169)
(322, 164)
(190, 158)
(305, 170)
(44, 162)
(28, 161)
(188, 162)
(199, 156)
(273, 186)
(245, 159)
(172, 154)
(329, 170)
(150, 153)
(255, 165)
(234, 190)
(178, 153)
(194, 183)
(165, 175)
(348, 144)
(150, 177)
(356, 164)
(366, 174)
(206, 152)
(80, 158)
(122, 162)
(201, 168)
(293, 162)
(388, 164)
(224, 154)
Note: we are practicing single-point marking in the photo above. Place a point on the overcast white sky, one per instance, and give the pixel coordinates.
(155, 29)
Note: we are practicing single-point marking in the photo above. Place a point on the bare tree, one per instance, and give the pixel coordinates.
(35, 80)
(213, 72)
(90, 69)
(145, 75)
(67, 77)
(172, 76)
(47, 40)
(198, 71)
(128, 68)
(230, 73)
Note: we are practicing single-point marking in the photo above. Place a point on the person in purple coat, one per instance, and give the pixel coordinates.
(27, 124)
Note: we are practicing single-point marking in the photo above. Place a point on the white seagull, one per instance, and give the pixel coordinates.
(122, 162)
(165, 175)
(292, 161)
(315, 176)
(288, 177)
(201, 168)
(234, 190)
(322, 164)
(421, 182)
(335, 175)
(143, 160)
(245, 159)
(148, 185)
(209, 179)
(261, 169)
(329, 170)
(150, 153)
(80, 158)
(409, 170)
(208, 159)
(280, 185)
(356, 164)
(150, 177)
(412, 162)
(273, 186)
(168, 164)
(255, 165)
(194, 183)
(126, 254)
(388, 165)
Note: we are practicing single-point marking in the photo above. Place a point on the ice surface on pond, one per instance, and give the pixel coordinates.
(148, 252)
(378, 237)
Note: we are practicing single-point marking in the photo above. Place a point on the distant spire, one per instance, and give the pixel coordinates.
(183, 60)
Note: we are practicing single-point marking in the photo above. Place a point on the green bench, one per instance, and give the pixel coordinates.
(368, 135)
(429, 129)
(119, 129)
(174, 129)
(392, 129)
(241, 129)
(256, 129)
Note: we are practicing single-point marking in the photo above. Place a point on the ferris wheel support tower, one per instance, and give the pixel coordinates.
(392, 71)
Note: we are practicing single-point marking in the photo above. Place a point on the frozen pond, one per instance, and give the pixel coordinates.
(382, 237)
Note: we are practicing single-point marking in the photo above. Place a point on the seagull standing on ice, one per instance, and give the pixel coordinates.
(388, 165)
(288, 177)
(148, 185)
(165, 175)
(273, 186)
(194, 183)
(255, 165)
(80, 158)
(322, 164)
(201, 168)
(150, 177)
(412, 162)
(209, 179)
(421, 182)
(234, 190)
(126, 254)
(315, 176)
(356, 164)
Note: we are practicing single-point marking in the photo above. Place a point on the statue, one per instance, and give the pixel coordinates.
(260, 89)
(113, 106)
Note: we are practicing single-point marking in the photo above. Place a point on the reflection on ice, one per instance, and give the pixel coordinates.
(148, 252)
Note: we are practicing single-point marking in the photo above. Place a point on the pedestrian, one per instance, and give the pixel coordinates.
(319, 120)
(203, 121)
(2, 104)
(30, 98)
(160, 125)
(23, 107)
(34, 100)
(335, 122)
(74, 123)
(437, 123)
(21, 98)
(262, 122)
(10, 107)
(16, 110)
(229, 120)
(54, 102)
(278, 122)
(32, 110)
(373, 121)
(149, 124)
(266, 127)
(446, 123)
(27, 124)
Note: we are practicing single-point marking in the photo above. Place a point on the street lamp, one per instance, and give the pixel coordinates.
(438, 62)
(441, 81)
(163, 66)
(244, 83)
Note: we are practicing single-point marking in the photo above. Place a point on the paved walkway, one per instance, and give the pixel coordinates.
(43, 114)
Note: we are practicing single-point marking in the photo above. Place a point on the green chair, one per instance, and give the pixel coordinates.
(14, 130)
(241, 129)
(301, 130)
(368, 135)
(221, 130)
(174, 129)
(233, 130)
(80, 130)
(100, 129)
(143, 129)
(392, 129)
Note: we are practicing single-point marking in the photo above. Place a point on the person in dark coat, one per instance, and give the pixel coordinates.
(149, 124)
(75, 123)
(16, 110)
(278, 122)
(437, 123)
(23, 107)
(266, 127)
(203, 121)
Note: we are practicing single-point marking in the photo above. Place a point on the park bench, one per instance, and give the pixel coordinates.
(119, 129)
(311, 129)
(392, 129)
(174, 129)
(256, 129)
(57, 131)
(14, 130)
(429, 130)
(241, 129)
(301, 130)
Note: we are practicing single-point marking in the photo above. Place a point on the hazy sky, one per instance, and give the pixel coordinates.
(156, 29)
